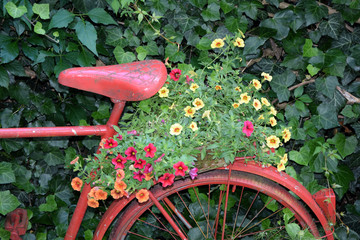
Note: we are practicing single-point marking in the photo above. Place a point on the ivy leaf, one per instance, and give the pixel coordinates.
(6, 173)
(314, 12)
(250, 8)
(61, 19)
(335, 62)
(8, 202)
(174, 54)
(114, 36)
(312, 70)
(9, 51)
(54, 158)
(142, 52)
(50, 204)
(292, 229)
(342, 177)
(233, 24)
(345, 145)
(99, 15)
(38, 28)
(87, 35)
(327, 85)
(42, 10)
(198, 3)
(226, 7)
(204, 44)
(211, 13)
(122, 56)
(187, 22)
(15, 11)
(299, 157)
(333, 26)
(280, 23)
(280, 84)
(9, 119)
(4, 77)
(252, 44)
(327, 117)
(308, 50)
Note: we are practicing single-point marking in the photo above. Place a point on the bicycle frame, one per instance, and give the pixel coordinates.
(105, 131)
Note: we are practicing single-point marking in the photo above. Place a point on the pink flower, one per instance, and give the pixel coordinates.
(159, 159)
(119, 161)
(148, 168)
(139, 163)
(167, 179)
(110, 143)
(150, 150)
(193, 173)
(188, 79)
(138, 176)
(248, 128)
(132, 132)
(175, 74)
(180, 168)
(131, 153)
(120, 137)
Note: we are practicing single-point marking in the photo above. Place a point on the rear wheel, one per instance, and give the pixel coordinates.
(215, 206)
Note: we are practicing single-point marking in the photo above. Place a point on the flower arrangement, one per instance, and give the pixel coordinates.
(216, 112)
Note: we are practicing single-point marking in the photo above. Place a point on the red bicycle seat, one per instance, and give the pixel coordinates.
(129, 81)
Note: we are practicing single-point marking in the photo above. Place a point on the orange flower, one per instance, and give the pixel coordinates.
(76, 184)
(218, 87)
(120, 185)
(142, 195)
(120, 174)
(100, 195)
(93, 203)
(75, 160)
(148, 176)
(116, 194)
(92, 192)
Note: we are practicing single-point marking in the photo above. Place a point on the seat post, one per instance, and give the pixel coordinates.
(114, 117)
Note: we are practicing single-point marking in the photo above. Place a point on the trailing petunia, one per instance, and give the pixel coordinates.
(167, 179)
(76, 184)
(180, 168)
(142, 195)
(193, 173)
(175, 74)
(139, 176)
(140, 163)
(150, 150)
(119, 161)
(110, 143)
(248, 128)
(131, 153)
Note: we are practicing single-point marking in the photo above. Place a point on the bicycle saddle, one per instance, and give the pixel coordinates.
(129, 81)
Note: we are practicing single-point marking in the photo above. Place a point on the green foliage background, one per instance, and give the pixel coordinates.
(312, 49)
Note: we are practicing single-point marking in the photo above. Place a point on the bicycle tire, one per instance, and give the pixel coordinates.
(250, 182)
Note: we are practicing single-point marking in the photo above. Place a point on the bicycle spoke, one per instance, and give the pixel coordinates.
(172, 215)
(237, 211)
(247, 212)
(207, 220)
(162, 224)
(226, 204)
(218, 213)
(160, 228)
(136, 234)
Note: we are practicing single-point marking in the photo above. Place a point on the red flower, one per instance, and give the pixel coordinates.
(139, 176)
(248, 128)
(139, 163)
(120, 137)
(131, 153)
(167, 179)
(188, 79)
(110, 143)
(159, 159)
(148, 168)
(175, 74)
(180, 168)
(150, 150)
(119, 161)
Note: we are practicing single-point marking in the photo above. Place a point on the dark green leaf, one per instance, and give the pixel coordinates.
(204, 44)
(174, 54)
(345, 145)
(327, 117)
(294, 62)
(87, 35)
(226, 7)
(327, 85)
(198, 3)
(343, 178)
(54, 158)
(114, 36)
(122, 56)
(250, 8)
(314, 12)
(8, 202)
(6, 173)
(99, 15)
(187, 22)
(50, 204)
(333, 26)
(9, 118)
(280, 23)
(280, 84)
(335, 62)
(4, 77)
(252, 44)
(61, 19)
(8, 51)
(211, 13)
(75, 113)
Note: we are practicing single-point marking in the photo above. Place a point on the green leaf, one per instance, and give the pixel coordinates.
(252, 44)
(54, 158)
(42, 10)
(38, 28)
(87, 35)
(99, 15)
(327, 117)
(280, 84)
(312, 70)
(8, 202)
(335, 62)
(15, 11)
(198, 3)
(4, 77)
(299, 157)
(314, 12)
(174, 54)
(345, 145)
(142, 52)
(280, 22)
(188, 22)
(9, 51)
(4, 234)
(226, 7)
(233, 24)
(6, 173)
(308, 50)
(211, 13)
(122, 56)
(50, 204)
(9, 119)
(342, 177)
(327, 86)
(88, 234)
(333, 26)
(348, 112)
(250, 8)
(292, 229)
(61, 19)
(204, 44)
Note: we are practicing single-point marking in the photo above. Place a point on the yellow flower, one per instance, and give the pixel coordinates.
(272, 121)
(238, 89)
(284, 159)
(193, 126)
(265, 102)
(261, 117)
(266, 76)
(256, 84)
(272, 141)
(218, 87)
(189, 111)
(244, 98)
(217, 43)
(206, 114)
(286, 135)
(163, 92)
(273, 111)
(198, 103)
(236, 105)
(281, 167)
(256, 104)
(193, 87)
(239, 43)
(175, 129)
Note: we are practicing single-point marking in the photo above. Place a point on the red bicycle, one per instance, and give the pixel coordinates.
(242, 200)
